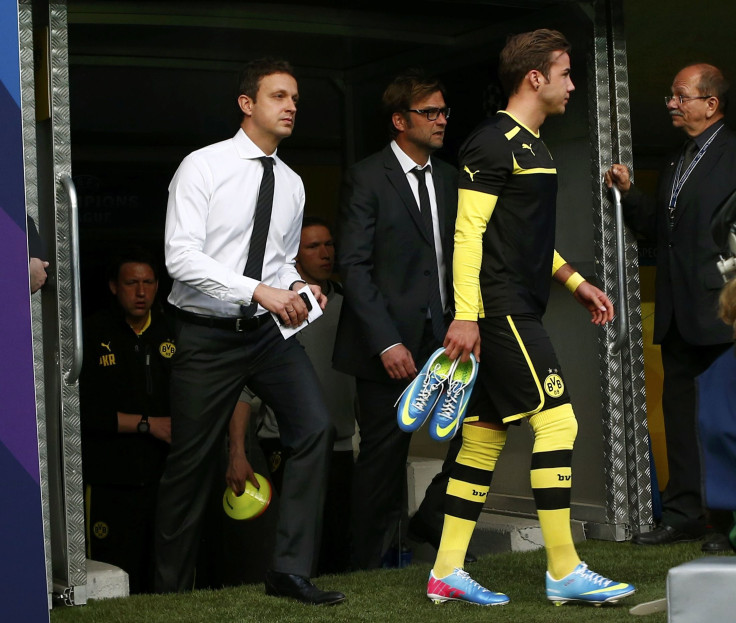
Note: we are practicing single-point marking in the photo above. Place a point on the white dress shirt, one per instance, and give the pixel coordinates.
(407, 164)
(209, 220)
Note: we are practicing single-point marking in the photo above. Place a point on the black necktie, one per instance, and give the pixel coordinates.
(435, 300)
(257, 249)
(691, 150)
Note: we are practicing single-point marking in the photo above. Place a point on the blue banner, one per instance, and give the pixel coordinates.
(23, 592)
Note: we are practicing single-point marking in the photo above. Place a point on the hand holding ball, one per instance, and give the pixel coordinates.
(251, 503)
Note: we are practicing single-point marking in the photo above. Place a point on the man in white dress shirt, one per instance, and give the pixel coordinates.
(225, 284)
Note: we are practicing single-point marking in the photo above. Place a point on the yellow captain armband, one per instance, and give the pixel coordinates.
(573, 281)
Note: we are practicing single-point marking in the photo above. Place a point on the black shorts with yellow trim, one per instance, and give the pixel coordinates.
(519, 374)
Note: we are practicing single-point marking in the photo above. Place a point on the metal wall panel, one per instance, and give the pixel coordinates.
(71, 438)
(47, 152)
(28, 111)
(626, 461)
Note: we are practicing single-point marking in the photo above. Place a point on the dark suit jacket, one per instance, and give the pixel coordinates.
(688, 281)
(385, 259)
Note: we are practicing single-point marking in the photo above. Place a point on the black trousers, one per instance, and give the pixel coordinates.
(119, 522)
(334, 556)
(682, 502)
(210, 368)
(379, 504)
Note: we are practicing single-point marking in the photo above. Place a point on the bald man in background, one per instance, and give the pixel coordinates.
(695, 181)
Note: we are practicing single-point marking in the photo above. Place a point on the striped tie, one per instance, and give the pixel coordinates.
(257, 249)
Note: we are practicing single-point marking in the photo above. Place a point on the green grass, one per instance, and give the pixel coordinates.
(398, 595)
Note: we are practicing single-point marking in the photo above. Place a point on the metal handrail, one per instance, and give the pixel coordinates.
(72, 375)
(622, 316)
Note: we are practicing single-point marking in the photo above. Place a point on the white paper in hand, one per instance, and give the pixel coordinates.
(314, 313)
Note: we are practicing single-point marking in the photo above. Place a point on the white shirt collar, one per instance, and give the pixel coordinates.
(247, 148)
(406, 163)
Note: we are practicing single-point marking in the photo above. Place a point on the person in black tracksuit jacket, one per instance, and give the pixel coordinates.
(126, 427)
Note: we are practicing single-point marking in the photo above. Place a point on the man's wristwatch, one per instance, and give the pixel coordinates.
(143, 426)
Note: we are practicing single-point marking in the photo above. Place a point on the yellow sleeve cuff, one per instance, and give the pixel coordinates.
(472, 316)
(573, 281)
(557, 262)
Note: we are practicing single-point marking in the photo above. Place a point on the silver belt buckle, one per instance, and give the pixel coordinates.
(238, 327)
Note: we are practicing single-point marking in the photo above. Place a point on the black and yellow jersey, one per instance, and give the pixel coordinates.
(505, 229)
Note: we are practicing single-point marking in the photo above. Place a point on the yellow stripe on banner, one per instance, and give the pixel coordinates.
(517, 416)
(550, 477)
(467, 491)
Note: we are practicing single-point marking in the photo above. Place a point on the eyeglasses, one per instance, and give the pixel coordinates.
(432, 113)
(684, 98)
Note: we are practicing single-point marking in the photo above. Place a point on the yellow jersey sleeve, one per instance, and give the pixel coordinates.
(557, 262)
(474, 210)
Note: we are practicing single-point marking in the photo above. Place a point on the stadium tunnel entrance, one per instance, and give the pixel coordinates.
(115, 94)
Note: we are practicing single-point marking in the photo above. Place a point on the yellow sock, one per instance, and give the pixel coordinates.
(551, 477)
(467, 491)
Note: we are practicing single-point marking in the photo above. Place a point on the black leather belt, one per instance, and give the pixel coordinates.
(239, 324)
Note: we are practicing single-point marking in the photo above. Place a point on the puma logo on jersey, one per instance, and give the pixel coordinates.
(107, 346)
(471, 173)
(529, 147)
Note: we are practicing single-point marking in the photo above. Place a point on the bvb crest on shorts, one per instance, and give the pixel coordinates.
(554, 385)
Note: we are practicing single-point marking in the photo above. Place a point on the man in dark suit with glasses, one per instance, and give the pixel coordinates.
(697, 179)
(395, 231)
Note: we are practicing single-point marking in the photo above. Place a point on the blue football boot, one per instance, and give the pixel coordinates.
(451, 407)
(420, 397)
(459, 586)
(582, 584)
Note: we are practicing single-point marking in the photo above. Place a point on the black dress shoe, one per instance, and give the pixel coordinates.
(299, 588)
(663, 535)
(421, 532)
(716, 543)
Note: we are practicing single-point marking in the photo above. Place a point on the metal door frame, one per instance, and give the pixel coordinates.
(627, 462)
(55, 316)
